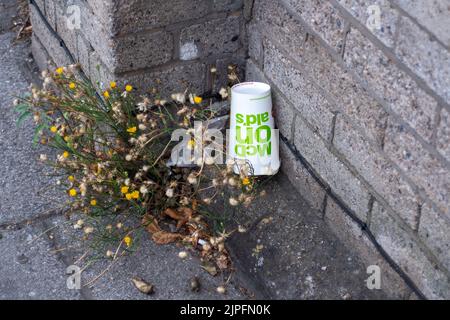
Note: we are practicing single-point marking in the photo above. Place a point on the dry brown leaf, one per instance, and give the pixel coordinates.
(142, 285)
(210, 268)
(182, 215)
(164, 237)
(173, 214)
(150, 223)
(222, 262)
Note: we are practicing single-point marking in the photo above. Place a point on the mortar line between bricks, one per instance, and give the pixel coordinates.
(173, 63)
(391, 55)
(379, 100)
(423, 28)
(419, 217)
(344, 40)
(178, 26)
(358, 221)
(419, 190)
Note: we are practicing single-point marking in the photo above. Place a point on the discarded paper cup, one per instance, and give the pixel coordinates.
(252, 136)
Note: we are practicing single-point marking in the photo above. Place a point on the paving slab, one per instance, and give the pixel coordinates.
(21, 177)
(290, 253)
(29, 269)
(159, 265)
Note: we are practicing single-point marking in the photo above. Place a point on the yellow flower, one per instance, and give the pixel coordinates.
(127, 240)
(198, 100)
(65, 154)
(71, 178)
(53, 129)
(60, 70)
(113, 84)
(135, 194)
(106, 94)
(129, 196)
(66, 138)
(124, 189)
(72, 192)
(191, 144)
(246, 181)
(132, 130)
(128, 88)
(93, 202)
(72, 85)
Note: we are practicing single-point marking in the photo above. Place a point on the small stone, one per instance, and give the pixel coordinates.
(347, 296)
(221, 290)
(195, 284)
(183, 254)
(22, 259)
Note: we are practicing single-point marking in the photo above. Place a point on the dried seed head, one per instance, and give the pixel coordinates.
(221, 290)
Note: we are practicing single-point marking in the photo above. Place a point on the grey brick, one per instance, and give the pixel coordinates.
(363, 11)
(98, 34)
(301, 179)
(300, 91)
(99, 74)
(351, 97)
(323, 18)
(399, 90)
(283, 110)
(422, 167)
(218, 36)
(52, 46)
(279, 24)
(142, 50)
(404, 250)
(226, 5)
(171, 79)
(50, 12)
(65, 32)
(434, 230)
(426, 57)
(84, 51)
(351, 235)
(139, 15)
(433, 15)
(378, 172)
(331, 169)
(443, 134)
(40, 55)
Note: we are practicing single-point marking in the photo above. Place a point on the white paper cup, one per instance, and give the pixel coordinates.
(252, 136)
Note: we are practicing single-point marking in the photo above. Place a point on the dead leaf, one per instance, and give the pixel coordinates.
(142, 285)
(164, 237)
(210, 268)
(150, 223)
(222, 262)
(182, 215)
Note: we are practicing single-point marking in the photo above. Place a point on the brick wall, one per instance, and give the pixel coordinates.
(168, 45)
(363, 105)
(364, 111)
